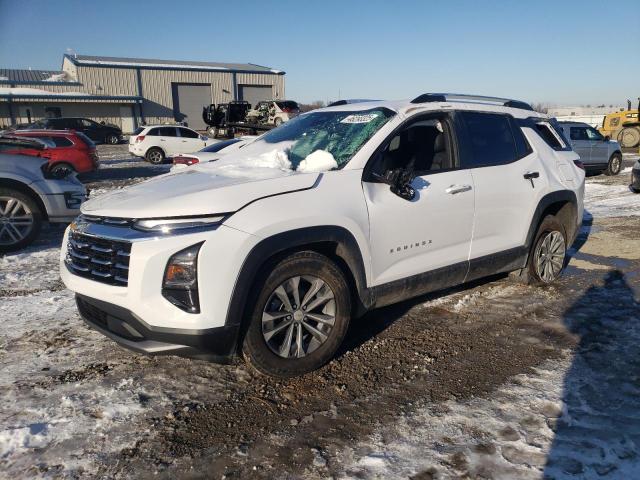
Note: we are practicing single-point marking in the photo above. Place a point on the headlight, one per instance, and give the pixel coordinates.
(169, 225)
(180, 283)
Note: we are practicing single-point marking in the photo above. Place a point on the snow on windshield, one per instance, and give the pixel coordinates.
(314, 142)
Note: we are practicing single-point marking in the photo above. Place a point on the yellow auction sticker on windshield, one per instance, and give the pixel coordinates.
(359, 118)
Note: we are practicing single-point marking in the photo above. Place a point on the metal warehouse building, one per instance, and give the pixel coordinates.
(132, 91)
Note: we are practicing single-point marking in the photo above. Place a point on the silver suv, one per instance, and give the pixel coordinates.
(597, 153)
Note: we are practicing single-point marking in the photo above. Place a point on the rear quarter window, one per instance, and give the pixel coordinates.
(87, 141)
(62, 142)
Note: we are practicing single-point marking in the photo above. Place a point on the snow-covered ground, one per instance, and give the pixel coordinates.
(59, 417)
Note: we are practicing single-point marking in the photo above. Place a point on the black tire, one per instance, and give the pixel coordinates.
(305, 265)
(60, 167)
(277, 122)
(6, 245)
(112, 139)
(550, 226)
(615, 165)
(155, 155)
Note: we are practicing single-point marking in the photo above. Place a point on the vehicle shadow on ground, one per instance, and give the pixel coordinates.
(583, 235)
(598, 432)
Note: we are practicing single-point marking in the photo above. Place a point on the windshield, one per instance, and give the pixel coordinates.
(216, 147)
(336, 135)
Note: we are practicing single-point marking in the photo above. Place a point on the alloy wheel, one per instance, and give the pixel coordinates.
(155, 156)
(16, 220)
(549, 256)
(298, 316)
(615, 164)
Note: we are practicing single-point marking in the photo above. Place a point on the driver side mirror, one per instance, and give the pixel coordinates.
(399, 181)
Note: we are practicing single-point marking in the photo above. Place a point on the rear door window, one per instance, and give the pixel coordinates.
(167, 132)
(186, 133)
(578, 133)
(489, 140)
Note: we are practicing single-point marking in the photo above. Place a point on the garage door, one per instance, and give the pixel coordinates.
(188, 100)
(254, 93)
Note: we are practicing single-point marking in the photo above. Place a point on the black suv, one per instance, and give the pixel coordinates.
(98, 132)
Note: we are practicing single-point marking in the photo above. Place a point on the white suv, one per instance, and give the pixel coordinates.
(156, 142)
(273, 248)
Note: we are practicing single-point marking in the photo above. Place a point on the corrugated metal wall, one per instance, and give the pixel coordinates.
(157, 91)
(108, 81)
(276, 82)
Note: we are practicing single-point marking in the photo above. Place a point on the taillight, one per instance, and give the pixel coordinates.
(139, 138)
(182, 160)
(579, 164)
(286, 110)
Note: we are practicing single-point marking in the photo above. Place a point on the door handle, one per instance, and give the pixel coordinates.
(453, 189)
(530, 175)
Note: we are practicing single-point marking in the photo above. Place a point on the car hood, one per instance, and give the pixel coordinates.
(197, 191)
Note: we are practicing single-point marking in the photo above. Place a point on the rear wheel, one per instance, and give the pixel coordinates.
(20, 220)
(299, 318)
(154, 155)
(547, 257)
(615, 165)
(277, 122)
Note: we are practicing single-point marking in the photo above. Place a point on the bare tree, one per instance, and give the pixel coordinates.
(540, 107)
(307, 107)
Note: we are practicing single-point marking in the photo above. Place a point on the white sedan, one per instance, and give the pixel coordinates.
(157, 142)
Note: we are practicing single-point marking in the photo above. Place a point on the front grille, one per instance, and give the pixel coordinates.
(99, 259)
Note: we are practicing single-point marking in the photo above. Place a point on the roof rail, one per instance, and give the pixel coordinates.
(458, 97)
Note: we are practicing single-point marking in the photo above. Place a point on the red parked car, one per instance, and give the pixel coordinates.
(68, 149)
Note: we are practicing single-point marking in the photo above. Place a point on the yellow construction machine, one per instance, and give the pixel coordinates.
(623, 126)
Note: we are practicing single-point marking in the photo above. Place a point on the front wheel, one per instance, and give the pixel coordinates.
(615, 165)
(547, 257)
(299, 318)
(112, 139)
(20, 220)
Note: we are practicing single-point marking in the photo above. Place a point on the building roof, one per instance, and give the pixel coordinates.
(19, 76)
(89, 60)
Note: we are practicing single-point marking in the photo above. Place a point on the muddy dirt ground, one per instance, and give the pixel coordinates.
(489, 380)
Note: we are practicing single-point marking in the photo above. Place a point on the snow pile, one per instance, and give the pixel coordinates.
(318, 161)
(602, 200)
(275, 162)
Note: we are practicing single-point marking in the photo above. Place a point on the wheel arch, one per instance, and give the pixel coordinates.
(335, 242)
(563, 205)
(27, 190)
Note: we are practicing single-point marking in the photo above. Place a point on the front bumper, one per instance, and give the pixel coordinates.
(125, 328)
(140, 297)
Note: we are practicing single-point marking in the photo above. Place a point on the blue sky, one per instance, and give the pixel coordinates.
(558, 52)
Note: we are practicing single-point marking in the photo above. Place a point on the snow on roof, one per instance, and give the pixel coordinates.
(36, 91)
(24, 76)
(179, 64)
